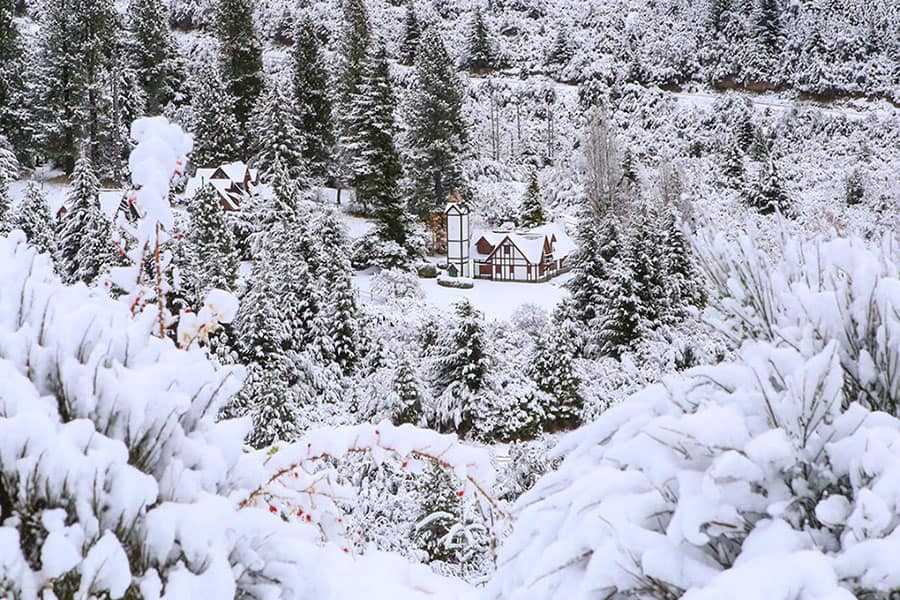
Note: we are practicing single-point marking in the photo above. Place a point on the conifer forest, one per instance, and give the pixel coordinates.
(449, 299)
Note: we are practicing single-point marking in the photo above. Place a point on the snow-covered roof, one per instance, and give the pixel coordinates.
(529, 242)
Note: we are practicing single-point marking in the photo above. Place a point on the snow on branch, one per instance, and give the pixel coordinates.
(160, 155)
(298, 488)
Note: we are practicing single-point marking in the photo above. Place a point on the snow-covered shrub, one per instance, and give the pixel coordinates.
(116, 478)
(772, 476)
(392, 285)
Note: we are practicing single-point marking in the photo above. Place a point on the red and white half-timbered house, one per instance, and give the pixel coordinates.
(536, 254)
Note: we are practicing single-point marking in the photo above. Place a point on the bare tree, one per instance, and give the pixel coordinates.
(605, 184)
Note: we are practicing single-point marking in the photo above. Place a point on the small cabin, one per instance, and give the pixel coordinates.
(234, 183)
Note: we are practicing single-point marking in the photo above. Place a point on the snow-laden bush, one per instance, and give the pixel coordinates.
(769, 477)
(117, 480)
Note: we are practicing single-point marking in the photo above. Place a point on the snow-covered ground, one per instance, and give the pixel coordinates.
(496, 299)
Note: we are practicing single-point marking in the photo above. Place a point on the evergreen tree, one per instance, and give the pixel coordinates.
(378, 164)
(76, 42)
(732, 162)
(854, 191)
(260, 331)
(684, 282)
(552, 370)
(352, 51)
(766, 17)
(211, 253)
(275, 132)
(215, 128)
(13, 109)
(436, 136)
(407, 393)
(33, 217)
(599, 247)
(152, 52)
(274, 409)
(620, 323)
(312, 98)
(561, 51)
(479, 56)
(460, 371)
(767, 194)
(532, 211)
(341, 315)
(85, 239)
(440, 511)
(241, 53)
(412, 32)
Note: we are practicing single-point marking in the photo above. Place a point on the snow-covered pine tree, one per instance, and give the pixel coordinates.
(599, 247)
(560, 52)
(152, 53)
(312, 98)
(377, 165)
(13, 102)
(436, 136)
(210, 248)
(531, 211)
(552, 370)
(33, 216)
(340, 318)
(241, 58)
(766, 23)
(854, 190)
(75, 43)
(260, 331)
(459, 372)
(353, 48)
(412, 32)
(214, 126)
(479, 55)
(685, 285)
(440, 511)
(85, 239)
(732, 162)
(275, 133)
(766, 194)
(272, 407)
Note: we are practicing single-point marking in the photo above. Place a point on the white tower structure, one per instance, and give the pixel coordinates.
(459, 264)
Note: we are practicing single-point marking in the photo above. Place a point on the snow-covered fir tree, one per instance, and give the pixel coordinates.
(85, 237)
(479, 56)
(275, 132)
(152, 53)
(33, 217)
(215, 128)
(212, 260)
(340, 318)
(552, 369)
(74, 47)
(439, 512)
(531, 212)
(312, 98)
(241, 59)
(412, 33)
(14, 107)
(766, 191)
(460, 370)
(436, 138)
